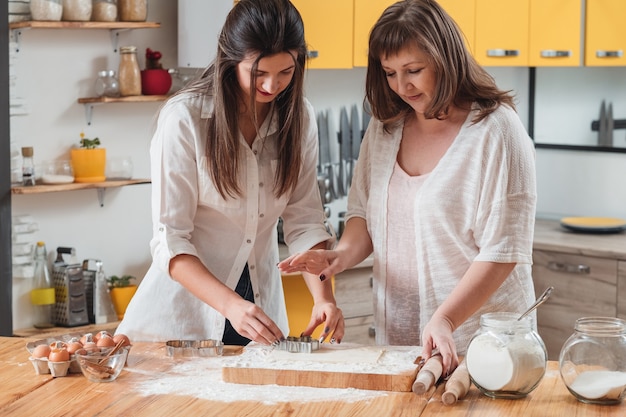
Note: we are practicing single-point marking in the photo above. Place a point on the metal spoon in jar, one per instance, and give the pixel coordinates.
(542, 298)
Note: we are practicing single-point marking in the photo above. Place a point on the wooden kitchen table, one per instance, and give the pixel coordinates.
(26, 394)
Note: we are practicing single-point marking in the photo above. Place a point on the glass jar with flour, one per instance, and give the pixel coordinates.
(593, 360)
(506, 358)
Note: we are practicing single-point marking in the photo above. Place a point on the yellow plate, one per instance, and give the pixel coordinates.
(594, 224)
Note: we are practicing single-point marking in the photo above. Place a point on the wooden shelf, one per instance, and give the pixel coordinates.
(52, 188)
(84, 25)
(128, 99)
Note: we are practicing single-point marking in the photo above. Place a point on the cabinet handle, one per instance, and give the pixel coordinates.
(609, 54)
(371, 331)
(502, 52)
(371, 282)
(551, 53)
(569, 268)
(312, 54)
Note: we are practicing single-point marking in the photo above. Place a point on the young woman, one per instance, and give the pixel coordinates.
(443, 192)
(233, 152)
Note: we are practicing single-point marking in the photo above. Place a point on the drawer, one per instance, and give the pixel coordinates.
(583, 286)
(353, 292)
(360, 330)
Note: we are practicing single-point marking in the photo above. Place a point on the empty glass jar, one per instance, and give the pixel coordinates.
(107, 84)
(506, 358)
(593, 360)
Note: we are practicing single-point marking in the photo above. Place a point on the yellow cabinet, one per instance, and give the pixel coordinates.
(502, 32)
(555, 33)
(366, 13)
(328, 29)
(464, 14)
(605, 37)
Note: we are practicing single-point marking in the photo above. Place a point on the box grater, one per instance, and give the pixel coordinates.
(70, 308)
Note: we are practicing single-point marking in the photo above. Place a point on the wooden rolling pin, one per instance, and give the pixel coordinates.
(428, 375)
(457, 385)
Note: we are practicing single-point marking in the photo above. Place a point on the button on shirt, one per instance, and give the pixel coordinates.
(190, 217)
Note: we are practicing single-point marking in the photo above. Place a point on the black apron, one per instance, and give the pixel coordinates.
(244, 289)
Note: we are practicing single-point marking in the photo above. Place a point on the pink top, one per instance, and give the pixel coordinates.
(402, 300)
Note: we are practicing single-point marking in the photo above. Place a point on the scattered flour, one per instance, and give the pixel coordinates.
(202, 377)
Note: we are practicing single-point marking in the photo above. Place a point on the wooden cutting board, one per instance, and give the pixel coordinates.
(383, 368)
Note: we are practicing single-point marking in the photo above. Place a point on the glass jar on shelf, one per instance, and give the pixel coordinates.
(506, 358)
(593, 360)
(107, 84)
(77, 10)
(104, 11)
(47, 10)
(133, 10)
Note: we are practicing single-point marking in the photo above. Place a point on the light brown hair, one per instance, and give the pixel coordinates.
(459, 78)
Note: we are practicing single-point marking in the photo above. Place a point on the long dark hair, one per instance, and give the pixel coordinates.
(263, 27)
(460, 79)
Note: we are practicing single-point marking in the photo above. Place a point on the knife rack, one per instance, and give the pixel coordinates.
(617, 124)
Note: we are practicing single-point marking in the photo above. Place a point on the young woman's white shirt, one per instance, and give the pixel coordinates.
(190, 217)
(478, 204)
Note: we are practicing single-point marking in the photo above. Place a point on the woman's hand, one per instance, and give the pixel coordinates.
(438, 335)
(331, 316)
(324, 263)
(250, 321)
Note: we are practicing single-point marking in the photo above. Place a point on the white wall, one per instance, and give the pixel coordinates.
(56, 67)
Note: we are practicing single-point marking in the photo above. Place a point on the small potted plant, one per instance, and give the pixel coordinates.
(88, 160)
(155, 80)
(121, 291)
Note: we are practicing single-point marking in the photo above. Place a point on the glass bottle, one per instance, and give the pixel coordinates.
(104, 11)
(42, 296)
(133, 10)
(506, 358)
(593, 360)
(28, 166)
(129, 73)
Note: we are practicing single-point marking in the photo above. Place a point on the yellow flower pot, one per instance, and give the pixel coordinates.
(121, 296)
(89, 165)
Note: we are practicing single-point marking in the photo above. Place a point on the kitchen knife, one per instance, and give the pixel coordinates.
(367, 115)
(602, 126)
(333, 145)
(609, 126)
(346, 150)
(322, 127)
(355, 140)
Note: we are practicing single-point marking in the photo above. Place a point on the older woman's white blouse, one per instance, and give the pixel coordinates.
(190, 217)
(478, 204)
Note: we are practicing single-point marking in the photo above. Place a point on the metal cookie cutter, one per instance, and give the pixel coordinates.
(304, 344)
(190, 348)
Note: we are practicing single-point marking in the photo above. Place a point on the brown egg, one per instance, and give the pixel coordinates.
(118, 337)
(105, 341)
(91, 347)
(101, 334)
(41, 351)
(73, 345)
(87, 337)
(59, 355)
